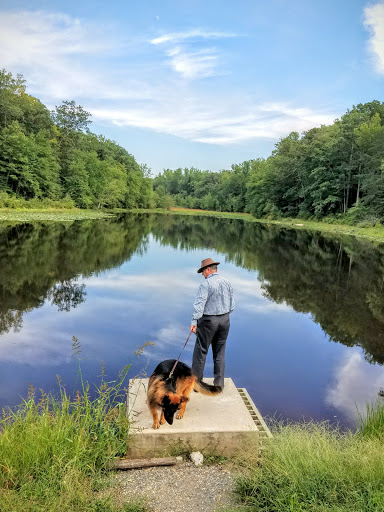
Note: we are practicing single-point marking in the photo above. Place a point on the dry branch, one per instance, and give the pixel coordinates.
(144, 463)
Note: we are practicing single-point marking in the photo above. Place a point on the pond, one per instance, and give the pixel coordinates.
(306, 337)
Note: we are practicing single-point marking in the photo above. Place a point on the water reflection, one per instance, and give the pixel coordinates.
(340, 282)
(42, 261)
(119, 282)
(354, 381)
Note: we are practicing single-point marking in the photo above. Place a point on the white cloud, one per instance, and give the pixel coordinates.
(55, 51)
(374, 21)
(193, 64)
(211, 124)
(187, 61)
(356, 383)
(67, 58)
(27, 36)
(177, 37)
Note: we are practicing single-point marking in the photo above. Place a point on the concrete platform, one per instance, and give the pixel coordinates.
(222, 424)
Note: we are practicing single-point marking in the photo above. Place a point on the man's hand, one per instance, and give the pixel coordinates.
(193, 328)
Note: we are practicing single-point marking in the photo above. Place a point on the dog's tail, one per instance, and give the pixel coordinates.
(206, 389)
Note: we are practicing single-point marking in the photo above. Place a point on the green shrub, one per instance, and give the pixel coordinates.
(14, 202)
(360, 216)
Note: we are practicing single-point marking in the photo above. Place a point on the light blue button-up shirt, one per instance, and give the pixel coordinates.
(214, 297)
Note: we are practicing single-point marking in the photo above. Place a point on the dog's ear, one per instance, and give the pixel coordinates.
(184, 399)
(165, 401)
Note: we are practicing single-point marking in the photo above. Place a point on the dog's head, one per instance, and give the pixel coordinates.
(170, 404)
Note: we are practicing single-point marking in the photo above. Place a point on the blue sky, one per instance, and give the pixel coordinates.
(198, 83)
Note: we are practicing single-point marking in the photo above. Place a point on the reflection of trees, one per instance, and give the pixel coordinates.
(339, 281)
(40, 261)
(67, 295)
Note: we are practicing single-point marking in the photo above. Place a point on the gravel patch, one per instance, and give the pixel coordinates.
(181, 488)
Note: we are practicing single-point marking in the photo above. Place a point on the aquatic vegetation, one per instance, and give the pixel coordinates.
(51, 215)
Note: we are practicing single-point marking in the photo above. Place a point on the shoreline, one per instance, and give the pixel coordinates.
(373, 233)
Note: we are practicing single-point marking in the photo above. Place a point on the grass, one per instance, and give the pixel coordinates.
(316, 467)
(372, 422)
(55, 452)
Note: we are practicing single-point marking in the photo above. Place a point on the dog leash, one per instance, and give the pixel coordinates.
(174, 366)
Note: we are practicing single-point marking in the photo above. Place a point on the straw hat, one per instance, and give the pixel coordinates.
(207, 263)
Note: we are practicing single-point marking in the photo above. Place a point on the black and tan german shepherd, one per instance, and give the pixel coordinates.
(172, 394)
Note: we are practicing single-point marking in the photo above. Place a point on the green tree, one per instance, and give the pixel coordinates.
(71, 118)
(370, 142)
(17, 156)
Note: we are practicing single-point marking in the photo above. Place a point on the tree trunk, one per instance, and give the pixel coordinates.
(358, 187)
(349, 180)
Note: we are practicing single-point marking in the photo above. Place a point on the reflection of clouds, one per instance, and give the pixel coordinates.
(156, 282)
(249, 295)
(172, 335)
(169, 342)
(115, 303)
(32, 347)
(248, 292)
(356, 383)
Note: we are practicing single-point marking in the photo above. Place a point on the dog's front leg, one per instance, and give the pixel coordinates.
(162, 417)
(182, 409)
(155, 417)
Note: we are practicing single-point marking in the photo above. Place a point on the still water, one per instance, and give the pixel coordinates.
(306, 337)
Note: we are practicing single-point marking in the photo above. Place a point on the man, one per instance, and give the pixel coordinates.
(210, 320)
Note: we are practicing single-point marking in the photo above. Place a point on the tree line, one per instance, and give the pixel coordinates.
(334, 171)
(53, 156)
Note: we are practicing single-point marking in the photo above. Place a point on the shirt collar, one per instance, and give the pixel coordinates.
(210, 275)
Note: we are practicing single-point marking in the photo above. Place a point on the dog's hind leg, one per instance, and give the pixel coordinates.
(185, 391)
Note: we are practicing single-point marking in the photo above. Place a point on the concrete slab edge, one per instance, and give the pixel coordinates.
(255, 414)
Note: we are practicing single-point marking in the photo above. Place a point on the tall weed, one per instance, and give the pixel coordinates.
(315, 467)
(371, 423)
(52, 449)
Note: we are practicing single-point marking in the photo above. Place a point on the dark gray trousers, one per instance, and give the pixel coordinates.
(211, 330)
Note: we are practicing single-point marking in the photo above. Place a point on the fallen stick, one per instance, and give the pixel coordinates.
(144, 463)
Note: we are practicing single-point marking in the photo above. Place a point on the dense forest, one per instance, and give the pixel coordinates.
(332, 171)
(53, 156)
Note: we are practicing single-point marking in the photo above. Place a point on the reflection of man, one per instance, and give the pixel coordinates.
(210, 320)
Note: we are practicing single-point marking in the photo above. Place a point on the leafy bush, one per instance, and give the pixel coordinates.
(7, 201)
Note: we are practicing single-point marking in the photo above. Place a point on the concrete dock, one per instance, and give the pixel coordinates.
(221, 424)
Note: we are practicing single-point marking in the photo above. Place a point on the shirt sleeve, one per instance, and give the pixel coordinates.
(231, 299)
(199, 304)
